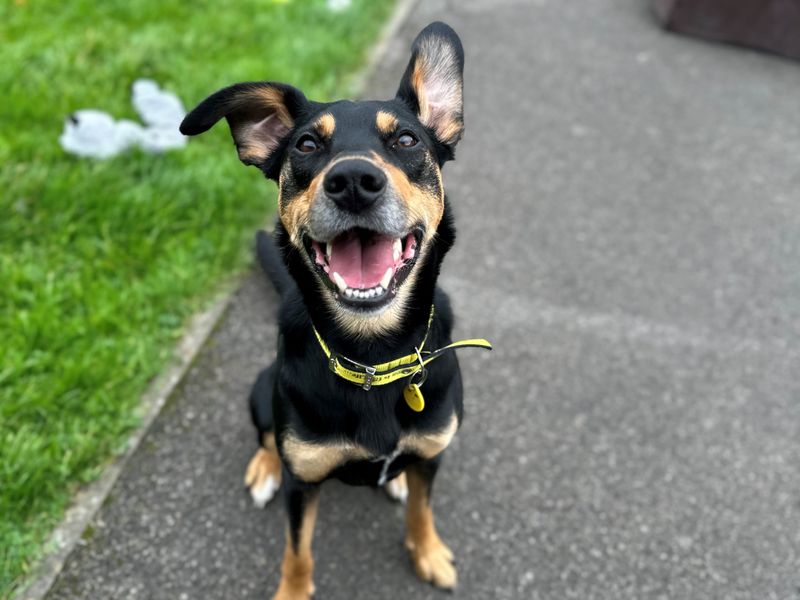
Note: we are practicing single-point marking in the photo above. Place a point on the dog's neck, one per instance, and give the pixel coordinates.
(411, 324)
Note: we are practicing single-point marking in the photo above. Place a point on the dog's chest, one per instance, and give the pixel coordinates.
(313, 460)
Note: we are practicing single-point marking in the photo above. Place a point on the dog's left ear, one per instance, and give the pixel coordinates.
(433, 82)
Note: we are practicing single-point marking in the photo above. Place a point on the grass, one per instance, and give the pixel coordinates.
(101, 262)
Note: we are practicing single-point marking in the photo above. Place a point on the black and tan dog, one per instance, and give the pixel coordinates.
(364, 225)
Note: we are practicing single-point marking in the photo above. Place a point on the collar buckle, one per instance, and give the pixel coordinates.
(368, 377)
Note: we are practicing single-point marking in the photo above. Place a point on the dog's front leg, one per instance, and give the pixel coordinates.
(433, 560)
(298, 564)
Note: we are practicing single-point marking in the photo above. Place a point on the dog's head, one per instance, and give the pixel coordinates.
(360, 186)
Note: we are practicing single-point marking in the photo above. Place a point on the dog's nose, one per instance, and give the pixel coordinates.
(354, 185)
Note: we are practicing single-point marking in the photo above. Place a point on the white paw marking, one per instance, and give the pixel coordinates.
(397, 489)
(264, 491)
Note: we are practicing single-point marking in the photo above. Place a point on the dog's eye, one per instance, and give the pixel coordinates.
(406, 140)
(306, 144)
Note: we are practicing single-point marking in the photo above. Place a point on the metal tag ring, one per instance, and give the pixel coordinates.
(422, 372)
(423, 375)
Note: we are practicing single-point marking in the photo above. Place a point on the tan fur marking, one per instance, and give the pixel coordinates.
(428, 445)
(421, 205)
(325, 125)
(272, 98)
(433, 560)
(312, 462)
(298, 563)
(294, 213)
(268, 441)
(265, 463)
(386, 122)
(418, 84)
(449, 129)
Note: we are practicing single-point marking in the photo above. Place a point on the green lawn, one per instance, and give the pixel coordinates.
(101, 262)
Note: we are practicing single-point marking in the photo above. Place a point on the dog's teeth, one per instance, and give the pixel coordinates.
(348, 292)
(379, 290)
(397, 250)
(387, 277)
(328, 250)
(339, 280)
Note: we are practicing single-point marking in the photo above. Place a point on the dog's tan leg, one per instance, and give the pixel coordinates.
(433, 560)
(298, 565)
(263, 475)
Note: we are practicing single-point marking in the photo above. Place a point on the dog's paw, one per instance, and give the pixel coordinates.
(290, 590)
(433, 562)
(263, 476)
(397, 489)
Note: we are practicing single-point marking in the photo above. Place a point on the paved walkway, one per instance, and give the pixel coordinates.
(628, 210)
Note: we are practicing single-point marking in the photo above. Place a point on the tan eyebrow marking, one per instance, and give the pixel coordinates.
(325, 125)
(386, 122)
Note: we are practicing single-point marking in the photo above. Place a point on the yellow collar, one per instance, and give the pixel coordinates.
(406, 366)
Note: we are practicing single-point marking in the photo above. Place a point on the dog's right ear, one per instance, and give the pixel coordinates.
(260, 115)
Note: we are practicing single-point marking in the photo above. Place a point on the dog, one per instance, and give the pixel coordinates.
(365, 387)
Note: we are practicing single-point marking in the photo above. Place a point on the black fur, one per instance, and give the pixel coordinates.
(272, 264)
(298, 394)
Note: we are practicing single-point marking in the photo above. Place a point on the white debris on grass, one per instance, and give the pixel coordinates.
(338, 5)
(155, 106)
(96, 134)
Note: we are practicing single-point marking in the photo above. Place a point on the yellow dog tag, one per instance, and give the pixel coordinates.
(413, 396)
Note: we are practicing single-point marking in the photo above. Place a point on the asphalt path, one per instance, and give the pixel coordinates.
(629, 238)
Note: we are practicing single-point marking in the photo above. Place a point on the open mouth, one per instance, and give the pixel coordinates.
(362, 267)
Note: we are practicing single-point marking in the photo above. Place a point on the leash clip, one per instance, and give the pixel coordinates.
(422, 371)
(332, 363)
(368, 377)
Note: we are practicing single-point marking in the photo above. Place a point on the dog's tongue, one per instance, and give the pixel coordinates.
(361, 259)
